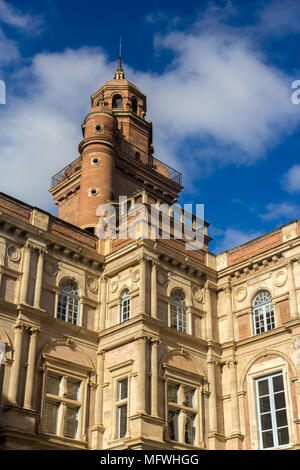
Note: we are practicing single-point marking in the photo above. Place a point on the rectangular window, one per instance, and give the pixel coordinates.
(271, 404)
(173, 424)
(122, 408)
(189, 397)
(173, 393)
(51, 417)
(70, 422)
(60, 413)
(189, 431)
(122, 418)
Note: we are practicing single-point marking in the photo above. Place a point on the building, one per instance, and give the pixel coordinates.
(135, 343)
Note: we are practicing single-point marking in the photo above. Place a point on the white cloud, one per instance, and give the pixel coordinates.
(280, 211)
(218, 100)
(291, 179)
(231, 238)
(14, 17)
(280, 17)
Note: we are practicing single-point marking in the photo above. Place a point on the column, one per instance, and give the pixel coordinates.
(25, 276)
(291, 287)
(16, 365)
(2, 258)
(209, 325)
(28, 400)
(213, 414)
(103, 303)
(154, 289)
(142, 377)
(230, 326)
(235, 415)
(39, 279)
(154, 377)
(99, 391)
(142, 293)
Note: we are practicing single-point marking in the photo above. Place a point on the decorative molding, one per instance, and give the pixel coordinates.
(51, 268)
(198, 294)
(279, 278)
(13, 253)
(240, 294)
(162, 278)
(92, 284)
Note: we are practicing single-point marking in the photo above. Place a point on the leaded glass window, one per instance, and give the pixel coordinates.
(272, 413)
(263, 312)
(125, 306)
(62, 405)
(182, 413)
(179, 312)
(68, 308)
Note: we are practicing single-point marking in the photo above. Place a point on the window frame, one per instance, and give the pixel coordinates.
(64, 402)
(180, 310)
(264, 307)
(273, 410)
(258, 371)
(116, 97)
(123, 301)
(59, 303)
(182, 411)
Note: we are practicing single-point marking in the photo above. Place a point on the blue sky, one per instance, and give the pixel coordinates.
(218, 78)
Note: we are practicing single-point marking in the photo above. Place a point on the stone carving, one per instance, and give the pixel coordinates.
(136, 276)
(240, 294)
(114, 286)
(198, 294)
(92, 284)
(279, 279)
(14, 253)
(289, 232)
(51, 268)
(162, 278)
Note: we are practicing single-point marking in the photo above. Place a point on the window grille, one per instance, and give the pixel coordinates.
(53, 384)
(173, 424)
(181, 413)
(189, 431)
(50, 417)
(68, 308)
(263, 312)
(72, 389)
(125, 306)
(70, 422)
(122, 421)
(122, 408)
(179, 312)
(173, 393)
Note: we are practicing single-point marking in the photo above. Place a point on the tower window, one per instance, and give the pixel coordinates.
(134, 105)
(95, 161)
(263, 312)
(117, 101)
(99, 128)
(93, 192)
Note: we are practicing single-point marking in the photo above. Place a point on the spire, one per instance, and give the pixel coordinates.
(119, 75)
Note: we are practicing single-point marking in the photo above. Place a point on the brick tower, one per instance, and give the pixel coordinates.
(116, 157)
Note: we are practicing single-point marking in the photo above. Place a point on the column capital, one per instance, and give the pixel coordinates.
(103, 278)
(154, 262)
(144, 339)
(101, 352)
(290, 263)
(209, 286)
(231, 363)
(21, 326)
(212, 363)
(34, 331)
(155, 341)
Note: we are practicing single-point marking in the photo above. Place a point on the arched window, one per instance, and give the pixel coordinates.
(125, 306)
(263, 312)
(117, 101)
(68, 308)
(134, 105)
(179, 312)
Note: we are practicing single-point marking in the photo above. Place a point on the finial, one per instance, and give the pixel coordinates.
(119, 75)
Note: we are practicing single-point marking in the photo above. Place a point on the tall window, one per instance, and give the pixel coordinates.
(125, 306)
(62, 405)
(68, 308)
(117, 101)
(263, 312)
(271, 406)
(122, 407)
(181, 413)
(179, 312)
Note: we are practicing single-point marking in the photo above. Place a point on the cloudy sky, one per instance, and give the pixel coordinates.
(218, 76)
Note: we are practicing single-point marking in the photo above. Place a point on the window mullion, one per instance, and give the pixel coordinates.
(273, 413)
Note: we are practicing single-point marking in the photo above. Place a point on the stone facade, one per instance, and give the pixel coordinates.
(148, 380)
